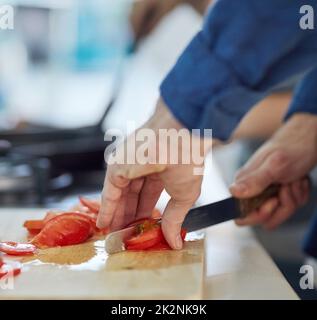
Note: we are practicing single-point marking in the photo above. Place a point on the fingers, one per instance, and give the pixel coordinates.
(172, 221)
(118, 222)
(276, 210)
(111, 196)
(149, 195)
(260, 216)
(252, 180)
(132, 199)
(286, 209)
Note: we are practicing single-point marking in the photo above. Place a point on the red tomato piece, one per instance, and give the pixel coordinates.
(10, 269)
(92, 205)
(141, 221)
(64, 229)
(34, 224)
(163, 245)
(148, 233)
(149, 236)
(146, 239)
(17, 249)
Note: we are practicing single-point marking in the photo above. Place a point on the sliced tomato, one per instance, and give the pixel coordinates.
(10, 269)
(141, 221)
(64, 229)
(163, 245)
(148, 233)
(33, 232)
(92, 205)
(149, 236)
(34, 224)
(17, 249)
(143, 245)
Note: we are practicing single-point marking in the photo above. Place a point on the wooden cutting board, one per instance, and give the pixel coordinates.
(86, 272)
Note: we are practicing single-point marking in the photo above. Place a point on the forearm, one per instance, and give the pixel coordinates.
(235, 61)
(264, 118)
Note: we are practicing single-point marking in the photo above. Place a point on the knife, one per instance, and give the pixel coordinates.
(201, 217)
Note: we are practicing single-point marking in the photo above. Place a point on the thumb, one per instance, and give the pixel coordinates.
(253, 181)
(173, 217)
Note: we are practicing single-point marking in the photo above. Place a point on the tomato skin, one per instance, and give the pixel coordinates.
(92, 205)
(144, 245)
(34, 225)
(17, 249)
(64, 229)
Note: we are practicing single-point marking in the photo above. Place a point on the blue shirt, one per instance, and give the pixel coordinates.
(245, 49)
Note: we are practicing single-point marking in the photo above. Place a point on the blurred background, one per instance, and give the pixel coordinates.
(71, 69)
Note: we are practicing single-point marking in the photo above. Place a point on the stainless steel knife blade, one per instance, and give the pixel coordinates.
(114, 241)
(211, 214)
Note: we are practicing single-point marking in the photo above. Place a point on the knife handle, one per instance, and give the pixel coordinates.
(247, 206)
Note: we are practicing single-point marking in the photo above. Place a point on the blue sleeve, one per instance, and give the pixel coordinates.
(244, 50)
(305, 96)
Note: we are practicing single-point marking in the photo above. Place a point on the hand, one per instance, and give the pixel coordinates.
(278, 209)
(286, 158)
(132, 190)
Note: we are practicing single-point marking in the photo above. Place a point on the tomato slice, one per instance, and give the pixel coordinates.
(64, 229)
(34, 224)
(92, 205)
(141, 221)
(10, 269)
(149, 236)
(163, 245)
(17, 249)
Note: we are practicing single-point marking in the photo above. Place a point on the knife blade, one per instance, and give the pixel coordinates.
(114, 241)
(201, 217)
(211, 214)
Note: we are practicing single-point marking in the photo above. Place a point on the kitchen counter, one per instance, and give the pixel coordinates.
(237, 266)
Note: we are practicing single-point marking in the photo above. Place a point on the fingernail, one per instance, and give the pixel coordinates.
(179, 242)
(239, 187)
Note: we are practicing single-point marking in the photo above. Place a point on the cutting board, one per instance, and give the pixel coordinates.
(85, 271)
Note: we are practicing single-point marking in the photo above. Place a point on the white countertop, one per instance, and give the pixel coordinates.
(238, 267)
